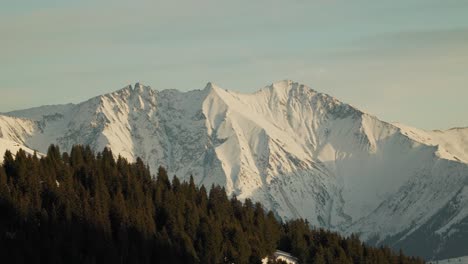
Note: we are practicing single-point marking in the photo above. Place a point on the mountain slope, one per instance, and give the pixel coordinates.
(13, 134)
(299, 152)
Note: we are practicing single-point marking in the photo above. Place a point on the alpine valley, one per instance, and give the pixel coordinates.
(299, 152)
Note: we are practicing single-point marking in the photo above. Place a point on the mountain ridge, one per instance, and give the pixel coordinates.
(302, 153)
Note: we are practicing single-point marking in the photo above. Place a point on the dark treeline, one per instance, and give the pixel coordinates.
(90, 208)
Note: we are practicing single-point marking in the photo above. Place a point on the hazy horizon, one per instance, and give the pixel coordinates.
(403, 61)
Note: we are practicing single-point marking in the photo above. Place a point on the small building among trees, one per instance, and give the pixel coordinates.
(282, 257)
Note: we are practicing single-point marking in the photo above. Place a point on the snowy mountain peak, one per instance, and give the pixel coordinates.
(136, 89)
(138, 85)
(300, 152)
(210, 86)
(140, 88)
(143, 90)
(125, 91)
(281, 87)
(285, 86)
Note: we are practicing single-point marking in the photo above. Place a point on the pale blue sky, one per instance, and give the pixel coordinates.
(403, 61)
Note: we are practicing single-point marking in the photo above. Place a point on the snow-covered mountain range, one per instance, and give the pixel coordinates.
(299, 152)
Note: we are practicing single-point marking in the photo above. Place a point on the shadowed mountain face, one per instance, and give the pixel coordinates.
(301, 153)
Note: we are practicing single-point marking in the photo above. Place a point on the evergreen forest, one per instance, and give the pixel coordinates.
(86, 207)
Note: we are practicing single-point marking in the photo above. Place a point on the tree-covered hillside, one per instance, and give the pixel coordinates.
(84, 207)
